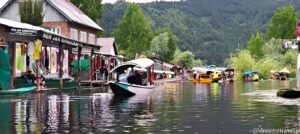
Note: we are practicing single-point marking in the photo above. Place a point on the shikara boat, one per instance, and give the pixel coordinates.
(251, 76)
(226, 74)
(18, 90)
(169, 76)
(136, 81)
(204, 75)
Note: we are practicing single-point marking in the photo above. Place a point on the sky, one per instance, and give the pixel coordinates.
(2, 2)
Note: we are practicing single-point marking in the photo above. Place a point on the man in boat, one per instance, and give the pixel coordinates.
(123, 77)
(136, 78)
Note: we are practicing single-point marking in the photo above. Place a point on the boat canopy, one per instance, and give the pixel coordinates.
(161, 72)
(201, 69)
(137, 63)
(224, 69)
(284, 71)
(250, 72)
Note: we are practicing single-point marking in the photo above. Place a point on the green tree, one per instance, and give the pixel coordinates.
(92, 8)
(264, 67)
(171, 43)
(241, 62)
(283, 23)
(31, 12)
(186, 59)
(197, 63)
(273, 48)
(133, 32)
(159, 46)
(255, 46)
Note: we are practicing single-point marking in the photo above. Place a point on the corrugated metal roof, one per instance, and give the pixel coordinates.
(72, 13)
(108, 46)
(68, 10)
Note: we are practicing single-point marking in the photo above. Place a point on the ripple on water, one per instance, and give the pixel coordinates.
(270, 96)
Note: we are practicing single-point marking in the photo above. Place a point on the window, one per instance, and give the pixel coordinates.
(92, 38)
(56, 30)
(83, 36)
(74, 34)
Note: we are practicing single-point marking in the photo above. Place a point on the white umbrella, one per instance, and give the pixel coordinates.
(284, 71)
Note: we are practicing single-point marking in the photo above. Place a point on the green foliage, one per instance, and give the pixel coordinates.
(163, 45)
(185, 59)
(197, 63)
(255, 46)
(283, 23)
(289, 61)
(31, 13)
(275, 59)
(241, 62)
(264, 67)
(273, 48)
(133, 32)
(159, 46)
(92, 8)
(211, 29)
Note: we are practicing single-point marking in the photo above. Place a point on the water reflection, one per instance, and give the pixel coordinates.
(181, 107)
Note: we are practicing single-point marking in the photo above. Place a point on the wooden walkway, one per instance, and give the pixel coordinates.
(94, 83)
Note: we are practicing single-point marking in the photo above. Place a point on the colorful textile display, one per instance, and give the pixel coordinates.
(23, 48)
(53, 60)
(46, 56)
(37, 49)
(20, 64)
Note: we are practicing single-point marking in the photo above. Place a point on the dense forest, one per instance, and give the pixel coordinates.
(211, 29)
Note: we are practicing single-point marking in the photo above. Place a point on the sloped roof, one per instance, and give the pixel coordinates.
(72, 13)
(28, 27)
(68, 10)
(108, 46)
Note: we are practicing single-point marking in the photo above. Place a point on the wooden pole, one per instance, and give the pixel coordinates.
(12, 54)
(92, 65)
(78, 64)
(298, 67)
(60, 72)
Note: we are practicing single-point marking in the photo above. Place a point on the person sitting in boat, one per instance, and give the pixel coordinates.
(135, 79)
(255, 77)
(123, 77)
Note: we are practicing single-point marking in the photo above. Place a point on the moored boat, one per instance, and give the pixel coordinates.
(135, 81)
(19, 90)
(251, 76)
(204, 75)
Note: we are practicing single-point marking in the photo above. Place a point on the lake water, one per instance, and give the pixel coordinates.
(181, 107)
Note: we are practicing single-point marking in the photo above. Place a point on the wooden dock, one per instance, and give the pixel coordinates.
(94, 83)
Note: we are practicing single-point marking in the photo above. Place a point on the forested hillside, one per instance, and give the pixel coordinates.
(211, 29)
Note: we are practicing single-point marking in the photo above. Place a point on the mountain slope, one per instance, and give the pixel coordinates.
(211, 29)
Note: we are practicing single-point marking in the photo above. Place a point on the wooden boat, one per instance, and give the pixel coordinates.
(204, 75)
(19, 90)
(288, 93)
(226, 74)
(129, 87)
(280, 75)
(168, 78)
(251, 76)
